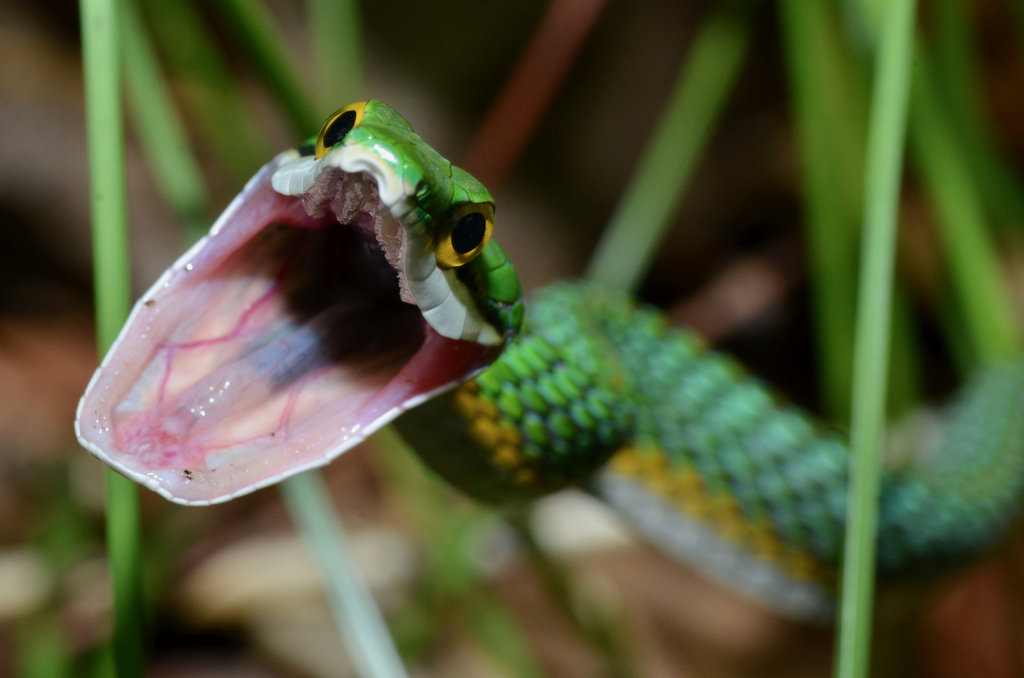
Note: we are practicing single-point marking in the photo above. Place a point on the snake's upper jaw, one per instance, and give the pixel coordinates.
(275, 344)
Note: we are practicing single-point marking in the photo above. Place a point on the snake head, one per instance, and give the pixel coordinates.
(352, 279)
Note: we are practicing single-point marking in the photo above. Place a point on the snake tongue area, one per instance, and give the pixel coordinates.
(275, 344)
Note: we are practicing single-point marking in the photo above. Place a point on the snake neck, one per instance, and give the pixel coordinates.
(550, 411)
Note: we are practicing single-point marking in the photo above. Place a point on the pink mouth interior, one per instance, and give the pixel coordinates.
(272, 348)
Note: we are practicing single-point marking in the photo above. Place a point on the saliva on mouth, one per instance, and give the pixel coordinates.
(282, 339)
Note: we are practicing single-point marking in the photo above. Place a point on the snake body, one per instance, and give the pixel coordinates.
(354, 279)
(705, 460)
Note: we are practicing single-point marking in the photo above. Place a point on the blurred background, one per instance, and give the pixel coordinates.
(230, 590)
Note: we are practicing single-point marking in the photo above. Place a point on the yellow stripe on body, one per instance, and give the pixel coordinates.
(680, 486)
(501, 439)
(683, 488)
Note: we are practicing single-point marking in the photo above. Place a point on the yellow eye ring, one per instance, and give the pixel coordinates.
(465, 234)
(339, 124)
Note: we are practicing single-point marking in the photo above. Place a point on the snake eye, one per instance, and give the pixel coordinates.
(466, 233)
(338, 125)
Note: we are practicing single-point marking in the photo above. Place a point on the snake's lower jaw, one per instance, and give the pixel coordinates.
(275, 344)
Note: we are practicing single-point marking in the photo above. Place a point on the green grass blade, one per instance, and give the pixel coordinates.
(253, 27)
(831, 115)
(124, 551)
(337, 52)
(974, 267)
(208, 88)
(660, 180)
(43, 649)
(956, 57)
(159, 128)
(100, 664)
(604, 633)
(830, 112)
(355, 612)
(101, 58)
(906, 378)
(494, 628)
(445, 526)
(884, 164)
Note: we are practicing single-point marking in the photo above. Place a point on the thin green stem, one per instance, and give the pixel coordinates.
(884, 165)
(446, 526)
(207, 86)
(124, 551)
(974, 267)
(830, 106)
(43, 649)
(101, 57)
(830, 113)
(159, 128)
(355, 612)
(663, 174)
(337, 53)
(956, 57)
(602, 632)
(253, 27)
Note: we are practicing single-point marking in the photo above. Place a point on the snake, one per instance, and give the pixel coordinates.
(354, 282)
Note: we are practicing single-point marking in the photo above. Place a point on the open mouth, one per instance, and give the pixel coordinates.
(275, 344)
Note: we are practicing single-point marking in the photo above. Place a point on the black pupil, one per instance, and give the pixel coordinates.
(337, 130)
(468, 232)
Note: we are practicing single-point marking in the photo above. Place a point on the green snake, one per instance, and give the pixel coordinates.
(354, 282)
